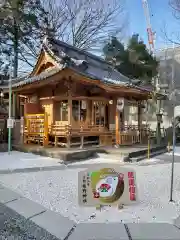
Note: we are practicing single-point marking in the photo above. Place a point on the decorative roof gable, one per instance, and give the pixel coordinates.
(63, 53)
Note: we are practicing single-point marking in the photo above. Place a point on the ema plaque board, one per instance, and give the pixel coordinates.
(112, 185)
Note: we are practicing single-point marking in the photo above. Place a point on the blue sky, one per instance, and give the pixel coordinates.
(161, 14)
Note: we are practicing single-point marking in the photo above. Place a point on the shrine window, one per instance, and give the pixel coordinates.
(64, 110)
(99, 113)
(79, 110)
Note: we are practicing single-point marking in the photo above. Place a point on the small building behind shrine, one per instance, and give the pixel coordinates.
(74, 98)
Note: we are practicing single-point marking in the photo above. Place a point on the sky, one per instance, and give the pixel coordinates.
(161, 15)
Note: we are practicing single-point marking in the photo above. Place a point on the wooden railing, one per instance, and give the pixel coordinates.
(36, 129)
(69, 130)
(130, 135)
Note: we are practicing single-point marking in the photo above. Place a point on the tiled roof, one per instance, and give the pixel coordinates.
(92, 65)
(87, 64)
(42, 76)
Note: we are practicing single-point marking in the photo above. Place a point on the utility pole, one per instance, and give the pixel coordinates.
(174, 127)
(10, 121)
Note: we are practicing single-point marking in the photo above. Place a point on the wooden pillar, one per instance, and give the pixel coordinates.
(14, 103)
(89, 107)
(18, 115)
(22, 130)
(45, 140)
(139, 115)
(140, 120)
(117, 123)
(69, 118)
(69, 108)
(92, 119)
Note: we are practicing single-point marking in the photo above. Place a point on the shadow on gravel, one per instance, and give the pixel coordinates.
(168, 158)
(15, 227)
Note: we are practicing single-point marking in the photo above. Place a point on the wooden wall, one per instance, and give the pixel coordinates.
(32, 108)
(52, 108)
(48, 106)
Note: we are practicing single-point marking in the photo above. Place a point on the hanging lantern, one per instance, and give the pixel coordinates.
(120, 104)
(145, 106)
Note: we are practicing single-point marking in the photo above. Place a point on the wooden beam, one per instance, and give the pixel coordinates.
(122, 91)
(75, 98)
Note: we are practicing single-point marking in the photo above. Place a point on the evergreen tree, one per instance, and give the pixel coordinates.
(134, 61)
(21, 21)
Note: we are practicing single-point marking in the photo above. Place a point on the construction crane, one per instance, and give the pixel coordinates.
(155, 79)
(149, 28)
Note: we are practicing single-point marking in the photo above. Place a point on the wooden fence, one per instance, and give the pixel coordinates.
(3, 131)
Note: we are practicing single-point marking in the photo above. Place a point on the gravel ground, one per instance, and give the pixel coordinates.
(57, 190)
(15, 227)
(20, 160)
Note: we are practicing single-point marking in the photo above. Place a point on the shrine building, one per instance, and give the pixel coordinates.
(73, 98)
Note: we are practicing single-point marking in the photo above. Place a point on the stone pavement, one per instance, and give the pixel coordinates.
(15, 227)
(65, 229)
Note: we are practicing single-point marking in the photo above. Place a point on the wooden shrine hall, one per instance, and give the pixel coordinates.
(74, 98)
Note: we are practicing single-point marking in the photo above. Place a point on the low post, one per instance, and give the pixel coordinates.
(148, 152)
(168, 147)
(173, 158)
(159, 120)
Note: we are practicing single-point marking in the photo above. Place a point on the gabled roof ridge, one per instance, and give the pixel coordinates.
(91, 55)
(47, 45)
(60, 59)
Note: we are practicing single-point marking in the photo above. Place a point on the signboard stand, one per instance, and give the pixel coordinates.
(120, 206)
(107, 186)
(99, 207)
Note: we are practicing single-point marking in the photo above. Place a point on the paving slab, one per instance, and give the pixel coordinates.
(54, 223)
(26, 207)
(15, 227)
(7, 195)
(153, 231)
(177, 222)
(99, 231)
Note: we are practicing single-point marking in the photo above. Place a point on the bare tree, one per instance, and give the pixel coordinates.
(175, 5)
(174, 36)
(85, 23)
